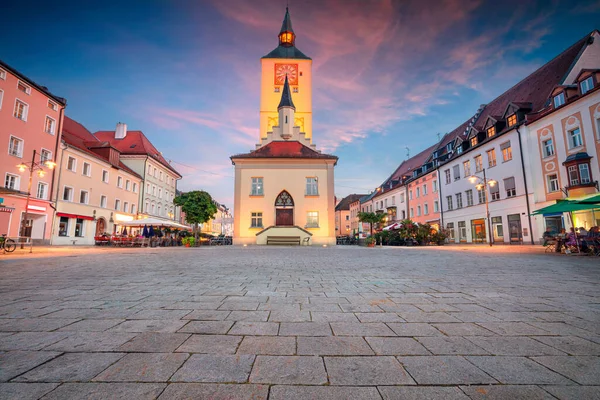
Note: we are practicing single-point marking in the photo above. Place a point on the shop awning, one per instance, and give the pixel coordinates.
(7, 209)
(154, 222)
(564, 206)
(74, 216)
(593, 199)
(392, 226)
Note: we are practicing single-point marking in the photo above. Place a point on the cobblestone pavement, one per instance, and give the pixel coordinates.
(301, 323)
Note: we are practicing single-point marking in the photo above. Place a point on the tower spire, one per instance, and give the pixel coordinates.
(286, 35)
(286, 96)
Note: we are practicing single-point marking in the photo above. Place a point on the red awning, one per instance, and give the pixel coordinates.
(6, 209)
(74, 216)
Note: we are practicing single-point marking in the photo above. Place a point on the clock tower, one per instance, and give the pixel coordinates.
(286, 61)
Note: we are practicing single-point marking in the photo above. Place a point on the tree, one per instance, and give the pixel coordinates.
(198, 207)
(371, 218)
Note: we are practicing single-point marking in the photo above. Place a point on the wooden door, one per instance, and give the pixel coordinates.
(284, 217)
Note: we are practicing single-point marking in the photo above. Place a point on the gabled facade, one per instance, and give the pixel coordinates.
(344, 215)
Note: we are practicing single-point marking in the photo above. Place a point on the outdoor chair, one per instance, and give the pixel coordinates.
(549, 245)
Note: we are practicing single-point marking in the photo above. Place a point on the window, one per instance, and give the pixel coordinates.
(393, 200)
(418, 192)
(462, 230)
(160, 175)
(575, 139)
(256, 220)
(386, 202)
(153, 190)
(425, 209)
(436, 206)
(117, 204)
(52, 105)
(553, 183)
(509, 186)
(548, 148)
(597, 122)
(45, 155)
(469, 195)
(15, 147)
(401, 197)
(447, 173)
(153, 207)
(347, 218)
(67, 193)
(79, 227)
(478, 164)
(418, 211)
(125, 206)
(160, 193)
(133, 208)
(276, 89)
(1, 97)
(559, 99)
(459, 202)
(467, 168)
(573, 175)
(134, 187)
(410, 196)
(312, 219)
(512, 120)
(2, 74)
(120, 181)
(149, 168)
(481, 195)
(154, 171)
(456, 172)
(295, 90)
(449, 201)
(104, 176)
(495, 192)
(63, 226)
(103, 201)
(434, 184)
(84, 197)
(49, 125)
(491, 154)
(257, 188)
(72, 164)
(42, 190)
(311, 187)
(474, 141)
(21, 110)
(424, 189)
(412, 213)
(491, 131)
(450, 228)
(586, 85)
(23, 87)
(506, 151)
(584, 173)
(127, 185)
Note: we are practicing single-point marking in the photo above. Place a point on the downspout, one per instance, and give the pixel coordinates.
(62, 153)
(525, 182)
(437, 170)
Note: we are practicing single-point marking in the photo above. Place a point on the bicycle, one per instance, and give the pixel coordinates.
(8, 245)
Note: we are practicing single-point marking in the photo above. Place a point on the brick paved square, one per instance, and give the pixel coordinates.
(583, 370)
(444, 370)
(517, 370)
(323, 393)
(333, 346)
(215, 368)
(210, 344)
(156, 367)
(300, 370)
(113, 391)
(367, 370)
(215, 391)
(501, 392)
(207, 327)
(255, 328)
(267, 345)
(15, 363)
(71, 367)
(396, 346)
(421, 393)
(25, 391)
(305, 329)
(153, 342)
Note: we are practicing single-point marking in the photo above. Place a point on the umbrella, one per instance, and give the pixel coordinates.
(151, 231)
(564, 206)
(593, 199)
(124, 232)
(145, 231)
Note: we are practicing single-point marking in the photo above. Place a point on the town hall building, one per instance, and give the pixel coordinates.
(284, 189)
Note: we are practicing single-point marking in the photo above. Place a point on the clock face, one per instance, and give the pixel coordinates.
(281, 70)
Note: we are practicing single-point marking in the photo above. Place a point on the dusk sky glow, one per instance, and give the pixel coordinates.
(386, 74)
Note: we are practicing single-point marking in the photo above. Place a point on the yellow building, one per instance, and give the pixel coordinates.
(284, 189)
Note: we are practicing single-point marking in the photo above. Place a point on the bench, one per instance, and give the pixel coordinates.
(289, 240)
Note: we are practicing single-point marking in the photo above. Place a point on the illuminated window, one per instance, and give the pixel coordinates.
(478, 164)
(512, 119)
(491, 154)
(257, 187)
(467, 168)
(469, 195)
(506, 151)
(256, 220)
(312, 219)
(52, 105)
(491, 131)
(473, 141)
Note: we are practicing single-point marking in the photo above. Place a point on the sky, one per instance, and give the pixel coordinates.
(389, 76)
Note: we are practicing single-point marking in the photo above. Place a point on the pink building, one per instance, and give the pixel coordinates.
(30, 125)
(424, 202)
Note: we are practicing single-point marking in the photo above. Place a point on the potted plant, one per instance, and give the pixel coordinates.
(370, 241)
(188, 241)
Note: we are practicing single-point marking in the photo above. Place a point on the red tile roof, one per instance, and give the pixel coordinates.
(344, 204)
(285, 149)
(76, 135)
(135, 143)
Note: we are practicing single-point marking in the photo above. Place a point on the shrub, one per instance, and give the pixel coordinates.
(188, 240)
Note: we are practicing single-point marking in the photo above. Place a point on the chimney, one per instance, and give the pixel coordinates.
(121, 131)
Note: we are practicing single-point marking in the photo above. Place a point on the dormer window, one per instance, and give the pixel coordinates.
(586, 85)
(512, 119)
(559, 99)
(474, 141)
(23, 87)
(449, 147)
(491, 131)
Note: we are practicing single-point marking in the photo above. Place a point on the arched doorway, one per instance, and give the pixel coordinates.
(284, 209)
(100, 226)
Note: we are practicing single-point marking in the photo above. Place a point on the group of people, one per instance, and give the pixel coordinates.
(578, 239)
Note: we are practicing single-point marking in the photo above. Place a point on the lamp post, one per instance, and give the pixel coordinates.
(32, 166)
(482, 184)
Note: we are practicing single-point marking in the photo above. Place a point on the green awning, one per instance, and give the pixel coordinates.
(593, 199)
(565, 206)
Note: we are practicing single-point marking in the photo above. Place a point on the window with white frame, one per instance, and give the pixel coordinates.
(584, 173)
(24, 87)
(52, 105)
(495, 192)
(506, 151)
(103, 201)
(147, 206)
(401, 197)
(154, 172)
(15, 147)
(87, 169)
(456, 172)
(12, 181)
(434, 184)
(410, 196)
(126, 206)
(459, 202)
(553, 185)
(120, 182)
(418, 211)
(21, 110)
(312, 219)
(418, 192)
(42, 190)
(575, 139)
(424, 189)
(559, 99)
(45, 155)
(104, 176)
(153, 207)
(72, 164)
(447, 175)
(450, 229)
(412, 212)
(63, 226)
(134, 187)
(462, 230)
(548, 147)
(50, 125)
(149, 169)
(67, 193)
(478, 163)
(148, 188)
(449, 202)
(256, 220)
(1, 97)
(573, 175)
(133, 208)
(257, 188)
(436, 206)
(425, 209)
(491, 154)
(393, 200)
(586, 85)
(312, 188)
(79, 231)
(467, 168)
(386, 202)
(481, 195)
(158, 211)
(84, 197)
(509, 186)
(2, 74)
(117, 204)
(159, 193)
(128, 185)
(160, 175)
(469, 195)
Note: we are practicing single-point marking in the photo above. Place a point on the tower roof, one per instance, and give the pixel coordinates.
(287, 22)
(286, 96)
(287, 42)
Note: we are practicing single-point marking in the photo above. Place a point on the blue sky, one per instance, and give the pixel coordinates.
(387, 74)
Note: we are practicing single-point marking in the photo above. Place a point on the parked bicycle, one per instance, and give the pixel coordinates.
(7, 244)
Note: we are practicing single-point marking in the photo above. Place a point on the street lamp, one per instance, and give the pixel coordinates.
(482, 184)
(33, 166)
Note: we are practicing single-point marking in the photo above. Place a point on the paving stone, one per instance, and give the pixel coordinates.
(333, 317)
(289, 370)
(378, 317)
(146, 325)
(211, 344)
(156, 367)
(366, 371)
(31, 340)
(25, 391)
(207, 315)
(34, 325)
(268, 345)
(517, 370)
(305, 329)
(215, 368)
(396, 346)
(207, 327)
(71, 367)
(583, 370)
(352, 308)
(360, 329)
(444, 370)
(324, 307)
(513, 328)
(448, 345)
(427, 317)
(289, 316)
(102, 391)
(463, 329)
(154, 342)
(571, 345)
(255, 328)
(160, 314)
(92, 341)
(14, 363)
(333, 346)
(239, 306)
(501, 392)
(574, 392)
(214, 391)
(323, 393)
(92, 325)
(256, 316)
(414, 329)
(514, 346)
(421, 393)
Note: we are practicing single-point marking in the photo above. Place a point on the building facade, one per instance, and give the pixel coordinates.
(344, 215)
(30, 124)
